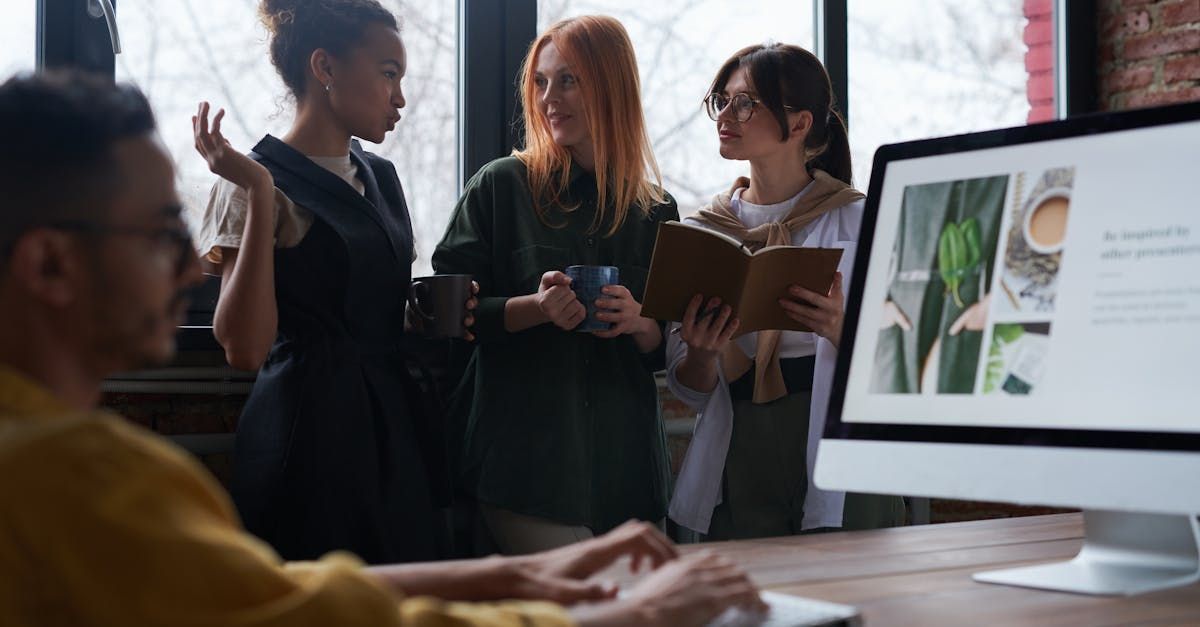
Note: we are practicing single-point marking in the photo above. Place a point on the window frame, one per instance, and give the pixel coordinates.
(1076, 48)
(493, 38)
(831, 43)
(494, 35)
(69, 37)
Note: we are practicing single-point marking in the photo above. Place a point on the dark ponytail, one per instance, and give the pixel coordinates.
(835, 157)
(299, 27)
(790, 77)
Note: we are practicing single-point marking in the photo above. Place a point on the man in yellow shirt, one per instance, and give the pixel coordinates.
(103, 523)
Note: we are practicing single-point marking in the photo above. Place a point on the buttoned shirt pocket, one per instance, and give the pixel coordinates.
(529, 263)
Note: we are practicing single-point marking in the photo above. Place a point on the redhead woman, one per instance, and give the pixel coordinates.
(564, 438)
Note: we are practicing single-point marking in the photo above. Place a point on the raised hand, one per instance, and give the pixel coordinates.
(223, 160)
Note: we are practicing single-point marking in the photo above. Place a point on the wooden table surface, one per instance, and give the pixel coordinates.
(922, 575)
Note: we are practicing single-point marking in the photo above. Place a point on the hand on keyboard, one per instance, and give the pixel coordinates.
(693, 589)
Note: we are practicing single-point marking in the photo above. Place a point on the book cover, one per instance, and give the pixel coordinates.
(690, 260)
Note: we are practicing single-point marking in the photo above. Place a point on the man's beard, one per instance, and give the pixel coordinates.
(126, 338)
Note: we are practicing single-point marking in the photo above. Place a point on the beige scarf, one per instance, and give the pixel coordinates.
(824, 194)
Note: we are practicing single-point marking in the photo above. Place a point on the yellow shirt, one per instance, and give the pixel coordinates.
(103, 523)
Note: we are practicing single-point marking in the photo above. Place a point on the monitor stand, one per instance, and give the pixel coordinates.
(1123, 553)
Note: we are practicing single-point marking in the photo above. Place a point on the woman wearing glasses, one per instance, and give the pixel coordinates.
(311, 236)
(564, 438)
(761, 397)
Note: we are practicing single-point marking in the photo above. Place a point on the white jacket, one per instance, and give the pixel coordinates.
(698, 488)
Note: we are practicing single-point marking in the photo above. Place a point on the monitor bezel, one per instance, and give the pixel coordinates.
(835, 428)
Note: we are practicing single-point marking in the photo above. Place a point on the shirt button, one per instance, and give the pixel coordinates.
(591, 241)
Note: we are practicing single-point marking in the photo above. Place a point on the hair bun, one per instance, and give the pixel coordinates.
(277, 13)
(298, 27)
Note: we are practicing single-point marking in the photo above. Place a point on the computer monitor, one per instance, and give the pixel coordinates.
(1023, 325)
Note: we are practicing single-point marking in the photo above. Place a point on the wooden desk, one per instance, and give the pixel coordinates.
(922, 575)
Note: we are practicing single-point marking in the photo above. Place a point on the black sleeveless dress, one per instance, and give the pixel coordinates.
(333, 452)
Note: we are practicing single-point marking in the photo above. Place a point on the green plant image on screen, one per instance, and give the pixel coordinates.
(1003, 335)
(959, 252)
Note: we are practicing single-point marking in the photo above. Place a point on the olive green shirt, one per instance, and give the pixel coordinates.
(559, 424)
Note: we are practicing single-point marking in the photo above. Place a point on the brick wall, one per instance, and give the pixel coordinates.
(184, 414)
(1149, 52)
(1039, 59)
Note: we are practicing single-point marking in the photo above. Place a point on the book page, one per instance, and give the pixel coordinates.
(772, 272)
(735, 242)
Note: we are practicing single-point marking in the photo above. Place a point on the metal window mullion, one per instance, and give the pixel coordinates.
(493, 38)
(69, 38)
(830, 43)
(1075, 46)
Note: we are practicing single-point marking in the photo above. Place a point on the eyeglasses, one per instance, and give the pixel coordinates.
(177, 238)
(743, 106)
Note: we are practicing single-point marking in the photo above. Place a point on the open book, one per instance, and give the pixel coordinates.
(690, 260)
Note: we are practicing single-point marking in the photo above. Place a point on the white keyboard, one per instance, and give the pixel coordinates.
(790, 611)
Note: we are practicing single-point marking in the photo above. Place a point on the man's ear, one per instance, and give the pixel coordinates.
(45, 264)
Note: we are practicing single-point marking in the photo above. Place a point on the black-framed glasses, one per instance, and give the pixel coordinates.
(177, 238)
(743, 106)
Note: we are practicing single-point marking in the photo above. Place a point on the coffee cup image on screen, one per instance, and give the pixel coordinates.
(937, 303)
(1036, 233)
(1016, 358)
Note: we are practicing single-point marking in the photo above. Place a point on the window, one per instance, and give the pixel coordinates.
(919, 69)
(941, 67)
(680, 45)
(180, 53)
(18, 32)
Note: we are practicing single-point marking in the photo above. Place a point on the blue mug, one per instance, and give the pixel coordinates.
(586, 282)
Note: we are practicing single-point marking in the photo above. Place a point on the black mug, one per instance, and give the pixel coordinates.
(440, 302)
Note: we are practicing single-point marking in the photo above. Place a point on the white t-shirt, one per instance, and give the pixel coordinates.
(225, 216)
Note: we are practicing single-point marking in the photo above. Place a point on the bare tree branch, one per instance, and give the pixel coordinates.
(215, 70)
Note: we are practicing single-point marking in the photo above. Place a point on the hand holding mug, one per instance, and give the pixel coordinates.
(441, 305)
(557, 301)
(589, 283)
(469, 319)
(618, 308)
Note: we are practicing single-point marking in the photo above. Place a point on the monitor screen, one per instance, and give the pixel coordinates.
(1052, 283)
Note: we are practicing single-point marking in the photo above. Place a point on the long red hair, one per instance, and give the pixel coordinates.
(599, 53)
